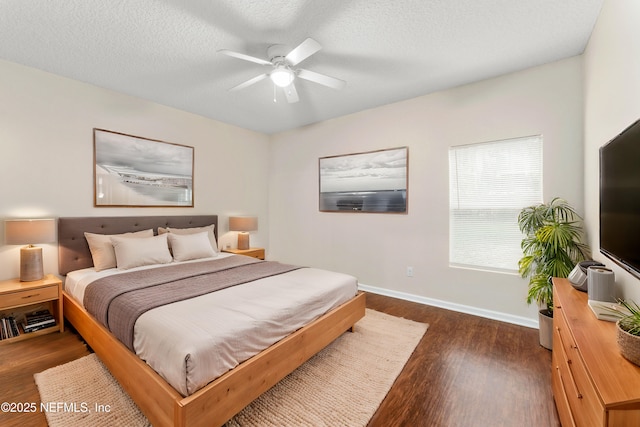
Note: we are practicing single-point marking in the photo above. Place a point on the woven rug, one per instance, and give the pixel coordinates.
(342, 385)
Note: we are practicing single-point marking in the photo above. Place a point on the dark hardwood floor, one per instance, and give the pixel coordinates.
(467, 371)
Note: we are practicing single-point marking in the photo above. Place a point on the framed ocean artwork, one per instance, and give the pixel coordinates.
(373, 181)
(132, 171)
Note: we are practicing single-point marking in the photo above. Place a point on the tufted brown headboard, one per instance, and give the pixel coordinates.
(73, 250)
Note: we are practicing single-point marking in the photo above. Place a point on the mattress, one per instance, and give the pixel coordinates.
(190, 343)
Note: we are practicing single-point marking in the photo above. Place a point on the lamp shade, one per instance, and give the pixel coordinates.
(243, 223)
(29, 231)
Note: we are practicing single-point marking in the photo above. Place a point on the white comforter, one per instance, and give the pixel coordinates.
(191, 343)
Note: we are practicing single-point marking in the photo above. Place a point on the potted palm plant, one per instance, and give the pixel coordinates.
(551, 247)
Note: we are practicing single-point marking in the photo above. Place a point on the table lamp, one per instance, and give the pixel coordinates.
(243, 224)
(30, 231)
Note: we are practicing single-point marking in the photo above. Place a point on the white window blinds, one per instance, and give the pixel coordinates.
(489, 183)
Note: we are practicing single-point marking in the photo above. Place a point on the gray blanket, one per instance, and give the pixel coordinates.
(117, 301)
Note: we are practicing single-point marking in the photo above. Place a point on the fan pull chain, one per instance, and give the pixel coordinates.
(274, 93)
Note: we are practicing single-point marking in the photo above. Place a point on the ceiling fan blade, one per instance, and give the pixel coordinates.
(291, 93)
(322, 79)
(244, 57)
(303, 51)
(249, 82)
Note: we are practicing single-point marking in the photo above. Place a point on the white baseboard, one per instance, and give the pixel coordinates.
(489, 314)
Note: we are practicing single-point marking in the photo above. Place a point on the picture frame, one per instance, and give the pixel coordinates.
(368, 182)
(133, 171)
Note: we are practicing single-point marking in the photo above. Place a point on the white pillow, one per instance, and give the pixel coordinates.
(101, 248)
(144, 251)
(208, 228)
(190, 246)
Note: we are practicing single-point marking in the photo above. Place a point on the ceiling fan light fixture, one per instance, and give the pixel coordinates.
(282, 69)
(282, 76)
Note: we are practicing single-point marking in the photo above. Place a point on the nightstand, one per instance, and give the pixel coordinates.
(252, 252)
(20, 298)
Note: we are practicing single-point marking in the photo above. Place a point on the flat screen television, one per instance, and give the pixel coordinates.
(620, 199)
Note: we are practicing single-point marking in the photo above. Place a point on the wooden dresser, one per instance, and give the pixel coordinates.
(593, 385)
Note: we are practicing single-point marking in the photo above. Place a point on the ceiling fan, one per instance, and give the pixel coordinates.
(283, 72)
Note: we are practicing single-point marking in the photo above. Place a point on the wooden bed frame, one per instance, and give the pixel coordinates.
(221, 399)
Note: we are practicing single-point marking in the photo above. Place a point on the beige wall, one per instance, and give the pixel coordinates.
(612, 102)
(46, 127)
(46, 155)
(377, 248)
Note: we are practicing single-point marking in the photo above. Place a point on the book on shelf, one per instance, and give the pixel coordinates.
(32, 322)
(38, 326)
(36, 315)
(3, 332)
(8, 328)
(38, 320)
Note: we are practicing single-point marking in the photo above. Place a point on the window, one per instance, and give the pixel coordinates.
(489, 183)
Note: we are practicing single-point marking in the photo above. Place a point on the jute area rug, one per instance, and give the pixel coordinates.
(343, 385)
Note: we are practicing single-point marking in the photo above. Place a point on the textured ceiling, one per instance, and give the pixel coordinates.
(387, 51)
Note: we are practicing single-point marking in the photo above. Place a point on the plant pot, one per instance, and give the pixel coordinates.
(629, 345)
(545, 322)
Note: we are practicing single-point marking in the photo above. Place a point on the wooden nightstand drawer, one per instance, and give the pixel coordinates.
(255, 253)
(29, 296)
(252, 252)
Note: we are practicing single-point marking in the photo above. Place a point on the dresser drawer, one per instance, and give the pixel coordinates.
(30, 296)
(582, 396)
(560, 389)
(579, 391)
(562, 333)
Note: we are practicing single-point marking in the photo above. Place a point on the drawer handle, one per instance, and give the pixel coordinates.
(30, 296)
(573, 381)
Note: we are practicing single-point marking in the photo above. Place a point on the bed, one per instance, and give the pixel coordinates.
(217, 399)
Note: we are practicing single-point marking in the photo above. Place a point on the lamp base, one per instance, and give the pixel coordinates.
(31, 264)
(243, 240)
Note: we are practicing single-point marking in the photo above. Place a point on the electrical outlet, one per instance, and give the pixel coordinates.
(409, 271)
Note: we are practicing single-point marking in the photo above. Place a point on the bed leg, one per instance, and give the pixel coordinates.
(352, 328)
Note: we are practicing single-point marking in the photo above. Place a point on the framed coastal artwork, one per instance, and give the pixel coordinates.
(133, 171)
(373, 181)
